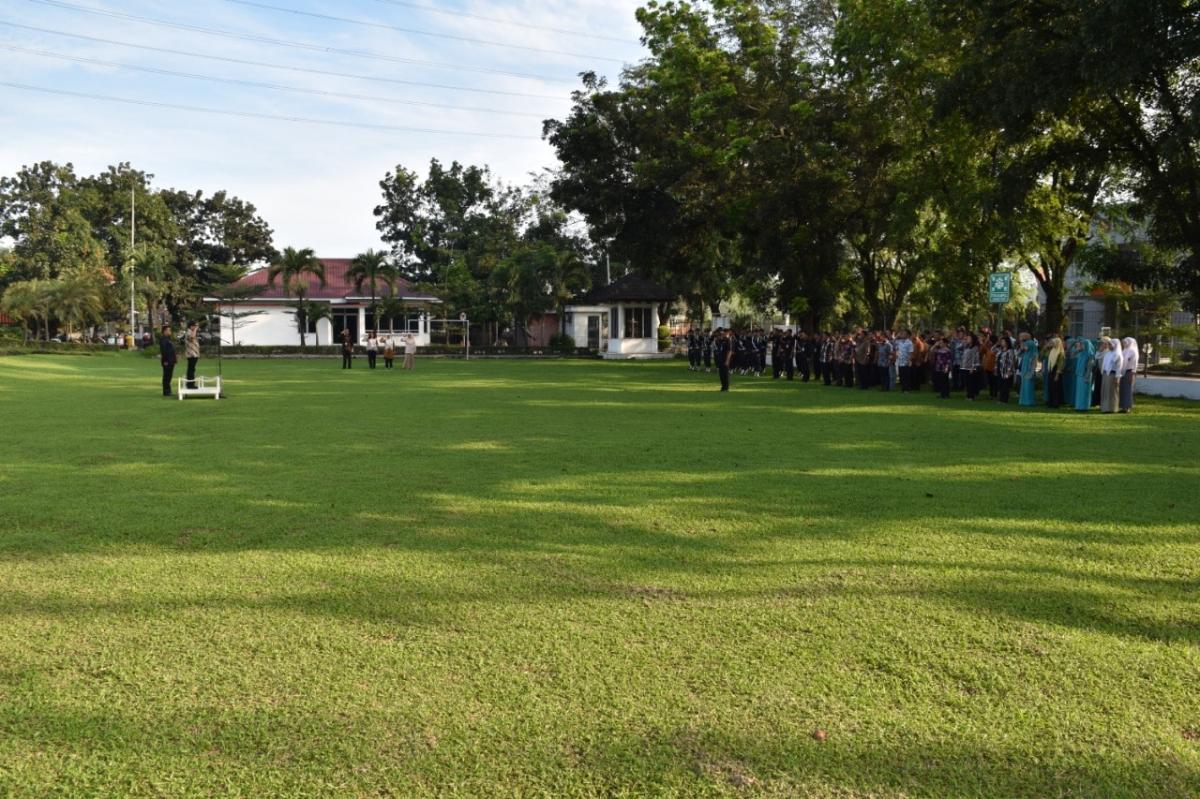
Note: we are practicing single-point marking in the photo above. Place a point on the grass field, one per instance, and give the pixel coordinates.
(584, 579)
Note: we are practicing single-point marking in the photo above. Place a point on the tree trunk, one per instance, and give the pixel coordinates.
(1054, 303)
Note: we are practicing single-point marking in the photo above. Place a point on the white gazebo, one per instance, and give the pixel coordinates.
(620, 319)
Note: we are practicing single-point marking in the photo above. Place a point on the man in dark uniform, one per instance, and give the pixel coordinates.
(739, 343)
(706, 344)
(804, 355)
(788, 354)
(166, 349)
(723, 352)
(347, 350)
(760, 349)
(776, 354)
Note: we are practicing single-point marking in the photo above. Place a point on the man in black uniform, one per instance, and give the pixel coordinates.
(692, 351)
(804, 355)
(787, 352)
(776, 354)
(723, 352)
(166, 349)
(706, 344)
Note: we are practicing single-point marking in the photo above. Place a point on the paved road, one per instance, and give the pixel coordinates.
(1185, 387)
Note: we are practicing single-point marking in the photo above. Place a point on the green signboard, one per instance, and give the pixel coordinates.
(999, 288)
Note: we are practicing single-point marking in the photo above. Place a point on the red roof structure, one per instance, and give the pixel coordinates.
(337, 287)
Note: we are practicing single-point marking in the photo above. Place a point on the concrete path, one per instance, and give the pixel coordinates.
(1184, 387)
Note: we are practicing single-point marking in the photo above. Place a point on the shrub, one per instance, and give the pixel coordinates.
(564, 340)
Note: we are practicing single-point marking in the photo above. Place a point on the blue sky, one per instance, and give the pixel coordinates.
(315, 184)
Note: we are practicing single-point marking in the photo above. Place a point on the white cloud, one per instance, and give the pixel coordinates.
(316, 185)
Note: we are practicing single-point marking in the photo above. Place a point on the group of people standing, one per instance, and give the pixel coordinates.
(1074, 372)
(374, 345)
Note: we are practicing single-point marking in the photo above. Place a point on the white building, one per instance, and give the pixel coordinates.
(619, 320)
(266, 316)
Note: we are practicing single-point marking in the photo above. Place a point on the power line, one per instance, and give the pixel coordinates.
(256, 115)
(318, 48)
(267, 65)
(416, 32)
(498, 21)
(258, 84)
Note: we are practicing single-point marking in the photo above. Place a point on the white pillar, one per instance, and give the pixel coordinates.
(362, 323)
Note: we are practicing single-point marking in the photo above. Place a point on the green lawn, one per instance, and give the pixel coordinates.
(584, 579)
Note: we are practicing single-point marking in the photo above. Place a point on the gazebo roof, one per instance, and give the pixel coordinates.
(630, 288)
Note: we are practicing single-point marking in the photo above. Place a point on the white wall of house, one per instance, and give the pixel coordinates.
(275, 326)
(578, 321)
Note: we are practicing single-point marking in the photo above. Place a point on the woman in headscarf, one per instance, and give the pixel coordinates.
(1129, 376)
(1097, 373)
(1084, 357)
(1111, 367)
(1069, 372)
(1056, 358)
(1029, 359)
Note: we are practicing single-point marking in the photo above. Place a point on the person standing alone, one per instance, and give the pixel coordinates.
(166, 349)
(191, 348)
(410, 351)
(347, 350)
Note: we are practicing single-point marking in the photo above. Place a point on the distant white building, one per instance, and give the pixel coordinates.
(619, 320)
(267, 318)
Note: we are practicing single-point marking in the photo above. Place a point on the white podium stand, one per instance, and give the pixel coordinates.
(205, 387)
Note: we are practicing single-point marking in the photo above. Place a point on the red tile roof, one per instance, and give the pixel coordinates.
(337, 286)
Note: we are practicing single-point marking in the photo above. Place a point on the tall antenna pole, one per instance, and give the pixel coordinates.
(132, 246)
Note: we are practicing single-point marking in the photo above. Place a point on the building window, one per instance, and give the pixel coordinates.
(345, 319)
(638, 323)
(1075, 324)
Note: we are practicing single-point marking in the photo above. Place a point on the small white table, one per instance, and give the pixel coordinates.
(204, 387)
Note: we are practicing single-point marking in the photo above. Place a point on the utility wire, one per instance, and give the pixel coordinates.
(416, 32)
(267, 65)
(318, 48)
(256, 115)
(499, 21)
(257, 84)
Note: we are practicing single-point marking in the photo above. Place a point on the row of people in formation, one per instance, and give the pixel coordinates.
(1074, 372)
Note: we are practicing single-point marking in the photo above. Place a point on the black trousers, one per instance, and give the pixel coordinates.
(371, 355)
(1054, 391)
(347, 359)
(1004, 388)
(724, 372)
(168, 371)
(191, 373)
(971, 379)
(941, 382)
(803, 365)
(906, 378)
(777, 364)
(708, 359)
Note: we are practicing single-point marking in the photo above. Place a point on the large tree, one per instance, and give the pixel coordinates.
(1126, 71)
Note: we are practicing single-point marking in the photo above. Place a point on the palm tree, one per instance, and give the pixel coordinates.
(566, 276)
(369, 267)
(79, 298)
(293, 269)
(26, 300)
